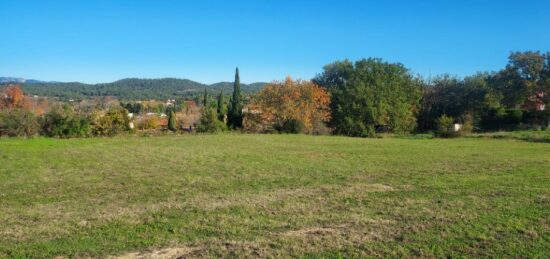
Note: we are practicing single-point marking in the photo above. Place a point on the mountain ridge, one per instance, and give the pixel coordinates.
(127, 88)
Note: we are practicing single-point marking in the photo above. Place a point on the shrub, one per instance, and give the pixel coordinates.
(18, 123)
(353, 128)
(320, 128)
(187, 121)
(63, 122)
(467, 127)
(114, 122)
(537, 119)
(292, 126)
(514, 116)
(254, 122)
(445, 127)
(209, 122)
(501, 119)
(148, 122)
(516, 119)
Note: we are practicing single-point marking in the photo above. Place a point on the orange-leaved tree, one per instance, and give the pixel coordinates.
(300, 101)
(12, 97)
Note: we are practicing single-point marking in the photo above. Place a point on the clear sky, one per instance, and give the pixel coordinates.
(105, 40)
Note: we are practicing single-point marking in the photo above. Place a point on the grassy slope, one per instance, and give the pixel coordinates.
(274, 195)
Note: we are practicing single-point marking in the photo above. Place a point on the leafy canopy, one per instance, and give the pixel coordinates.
(370, 95)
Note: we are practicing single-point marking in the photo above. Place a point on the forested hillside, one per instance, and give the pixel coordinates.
(131, 88)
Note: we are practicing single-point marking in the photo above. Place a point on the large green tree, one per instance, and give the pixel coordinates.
(235, 114)
(370, 95)
(470, 97)
(527, 75)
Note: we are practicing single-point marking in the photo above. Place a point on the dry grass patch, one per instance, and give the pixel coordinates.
(163, 253)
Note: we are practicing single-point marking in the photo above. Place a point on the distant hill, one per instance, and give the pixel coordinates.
(18, 80)
(5, 80)
(127, 89)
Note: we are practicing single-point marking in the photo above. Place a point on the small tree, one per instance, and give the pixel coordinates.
(114, 122)
(63, 122)
(467, 121)
(292, 126)
(445, 126)
(172, 124)
(13, 98)
(148, 123)
(18, 123)
(209, 122)
(291, 106)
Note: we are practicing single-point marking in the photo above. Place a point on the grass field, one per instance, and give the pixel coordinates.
(527, 135)
(274, 196)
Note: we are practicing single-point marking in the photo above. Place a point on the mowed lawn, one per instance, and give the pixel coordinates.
(274, 196)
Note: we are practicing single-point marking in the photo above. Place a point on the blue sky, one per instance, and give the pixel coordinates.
(102, 41)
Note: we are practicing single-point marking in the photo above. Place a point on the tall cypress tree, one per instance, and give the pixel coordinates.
(236, 113)
(205, 98)
(230, 107)
(172, 121)
(221, 104)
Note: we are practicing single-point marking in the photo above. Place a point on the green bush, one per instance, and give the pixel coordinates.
(445, 127)
(514, 116)
(292, 126)
(18, 123)
(501, 119)
(537, 119)
(209, 122)
(354, 128)
(114, 122)
(148, 123)
(64, 123)
(320, 128)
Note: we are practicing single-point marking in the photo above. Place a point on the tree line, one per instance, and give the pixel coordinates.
(24, 116)
(130, 89)
(354, 98)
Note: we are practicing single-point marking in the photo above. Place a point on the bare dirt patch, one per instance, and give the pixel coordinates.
(254, 200)
(164, 253)
(366, 229)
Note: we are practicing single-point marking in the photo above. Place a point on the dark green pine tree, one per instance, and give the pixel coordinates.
(172, 121)
(205, 98)
(235, 114)
(229, 106)
(221, 104)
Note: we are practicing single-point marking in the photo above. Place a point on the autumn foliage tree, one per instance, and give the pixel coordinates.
(13, 98)
(286, 105)
(16, 117)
